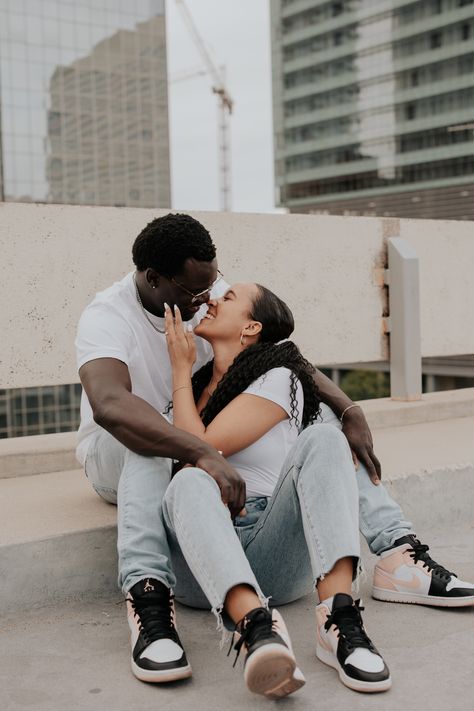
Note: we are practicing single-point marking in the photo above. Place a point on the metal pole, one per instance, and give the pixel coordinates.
(404, 323)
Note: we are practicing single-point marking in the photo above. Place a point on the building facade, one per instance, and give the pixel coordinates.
(83, 102)
(83, 120)
(374, 107)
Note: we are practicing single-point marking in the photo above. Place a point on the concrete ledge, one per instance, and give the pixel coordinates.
(58, 538)
(445, 405)
(58, 545)
(22, 456)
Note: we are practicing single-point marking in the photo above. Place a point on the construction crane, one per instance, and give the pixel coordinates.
(225, 107)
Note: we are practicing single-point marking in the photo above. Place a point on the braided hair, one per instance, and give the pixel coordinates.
(256, 360)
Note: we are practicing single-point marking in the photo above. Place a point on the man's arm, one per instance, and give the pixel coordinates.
(138, 426)
(354, 424)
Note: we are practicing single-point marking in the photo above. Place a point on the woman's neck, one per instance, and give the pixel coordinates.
(224, 356)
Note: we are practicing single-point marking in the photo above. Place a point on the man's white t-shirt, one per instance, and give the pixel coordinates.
(114, 326)
(260, 463)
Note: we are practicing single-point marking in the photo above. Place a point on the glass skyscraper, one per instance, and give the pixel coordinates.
(374, 107)
(83, 120)
(83, 102)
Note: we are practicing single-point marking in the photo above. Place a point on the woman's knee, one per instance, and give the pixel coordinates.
(189, 483)
(185, 488)
(323, 436)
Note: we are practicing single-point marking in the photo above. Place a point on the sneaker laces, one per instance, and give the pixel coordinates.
(155, 616)
(254, 627)
(420, 553)
(348, 621)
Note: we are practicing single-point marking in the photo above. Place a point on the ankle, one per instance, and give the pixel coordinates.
(239, 601)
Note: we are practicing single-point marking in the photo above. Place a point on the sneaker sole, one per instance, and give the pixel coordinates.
(272, 672)
(416, 599)
(355, 684)
(161, 677)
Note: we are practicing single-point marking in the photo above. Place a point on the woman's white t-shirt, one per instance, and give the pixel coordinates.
(260, 463)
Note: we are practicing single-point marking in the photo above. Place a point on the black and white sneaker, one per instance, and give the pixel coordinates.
(343, 644)
(270, 665)
(407, 573)
(157, 653)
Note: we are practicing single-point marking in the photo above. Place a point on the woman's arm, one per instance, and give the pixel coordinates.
(241, 423)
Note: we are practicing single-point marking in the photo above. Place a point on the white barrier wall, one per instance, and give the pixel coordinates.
(445, 249)
(56, 257)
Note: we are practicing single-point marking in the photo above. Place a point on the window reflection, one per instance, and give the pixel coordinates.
(72, 80)
(373, 95)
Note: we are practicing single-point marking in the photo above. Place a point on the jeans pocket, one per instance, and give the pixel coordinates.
(254, 508)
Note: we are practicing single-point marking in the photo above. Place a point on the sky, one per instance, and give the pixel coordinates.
(237, 35)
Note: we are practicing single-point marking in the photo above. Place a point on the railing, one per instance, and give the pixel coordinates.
(330, 270)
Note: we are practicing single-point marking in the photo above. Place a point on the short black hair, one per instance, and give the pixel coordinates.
(166, 242)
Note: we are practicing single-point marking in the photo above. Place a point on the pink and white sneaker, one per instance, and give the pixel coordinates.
(157, 653)
(407, 573)
(342, 643)
(270, 665)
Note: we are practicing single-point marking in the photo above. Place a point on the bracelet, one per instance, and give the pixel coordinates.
(349, 407)
(181, 387)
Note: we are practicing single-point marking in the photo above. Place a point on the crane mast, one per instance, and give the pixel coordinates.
(225, 106)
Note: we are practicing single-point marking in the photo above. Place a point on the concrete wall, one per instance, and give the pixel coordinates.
(55, 258)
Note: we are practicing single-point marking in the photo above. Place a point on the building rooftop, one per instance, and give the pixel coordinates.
(61, 622)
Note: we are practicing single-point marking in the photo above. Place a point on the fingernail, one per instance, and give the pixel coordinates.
(176, 308)
(167, 308)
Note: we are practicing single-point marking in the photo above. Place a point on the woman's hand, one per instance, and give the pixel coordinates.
(181, 345)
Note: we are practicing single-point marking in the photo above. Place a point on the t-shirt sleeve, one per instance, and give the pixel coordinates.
(102, 333)
(275, 385)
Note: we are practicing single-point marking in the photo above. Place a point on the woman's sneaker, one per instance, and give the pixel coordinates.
(157, 653)
(407, 573)
(270, 666)
(343, 644)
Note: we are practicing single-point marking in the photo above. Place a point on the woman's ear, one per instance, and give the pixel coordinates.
(254, 328)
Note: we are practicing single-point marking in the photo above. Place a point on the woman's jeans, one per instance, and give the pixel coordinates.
(179, 531)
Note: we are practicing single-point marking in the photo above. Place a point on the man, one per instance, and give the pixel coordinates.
(127, 446)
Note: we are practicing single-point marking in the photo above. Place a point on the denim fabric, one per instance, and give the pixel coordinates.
(307, 525)
(381, 520)
(292, 527)
(137, 485)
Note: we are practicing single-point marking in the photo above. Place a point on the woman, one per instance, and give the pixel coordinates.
(299, 528)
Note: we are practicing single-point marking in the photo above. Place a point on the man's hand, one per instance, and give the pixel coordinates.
(232, 486)
(357, 432)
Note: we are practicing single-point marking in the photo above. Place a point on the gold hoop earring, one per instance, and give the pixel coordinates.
(242, 339)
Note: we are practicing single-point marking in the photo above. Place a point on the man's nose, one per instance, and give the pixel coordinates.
(203, 299)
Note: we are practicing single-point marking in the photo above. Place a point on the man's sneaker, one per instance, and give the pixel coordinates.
(157, 653)
(270, 666)
(406, 573)
(342, 643)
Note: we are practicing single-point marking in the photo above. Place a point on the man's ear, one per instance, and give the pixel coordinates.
(153, 278)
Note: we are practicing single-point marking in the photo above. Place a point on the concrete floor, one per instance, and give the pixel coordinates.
(76, 657)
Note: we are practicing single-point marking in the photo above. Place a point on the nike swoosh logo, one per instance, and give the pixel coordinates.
(413, 584)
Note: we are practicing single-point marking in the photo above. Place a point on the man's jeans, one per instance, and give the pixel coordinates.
(182, 534)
